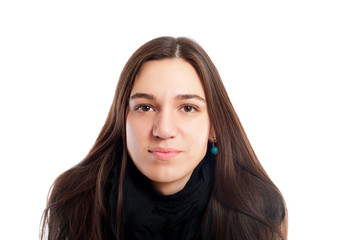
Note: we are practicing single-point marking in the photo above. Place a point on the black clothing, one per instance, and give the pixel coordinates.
(148, 215)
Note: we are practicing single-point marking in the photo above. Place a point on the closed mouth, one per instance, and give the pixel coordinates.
(164, 153)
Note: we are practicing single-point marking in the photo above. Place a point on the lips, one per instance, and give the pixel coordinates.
(164, 153)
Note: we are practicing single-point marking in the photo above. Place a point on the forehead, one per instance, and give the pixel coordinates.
(168, 75)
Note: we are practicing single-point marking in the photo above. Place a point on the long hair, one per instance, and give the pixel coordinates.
(245, 204)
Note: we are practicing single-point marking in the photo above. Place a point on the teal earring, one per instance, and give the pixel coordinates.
(214, 149)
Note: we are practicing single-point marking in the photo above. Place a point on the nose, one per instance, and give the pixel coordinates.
(165, 125)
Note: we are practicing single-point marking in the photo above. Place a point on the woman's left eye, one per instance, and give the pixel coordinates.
(189, 108)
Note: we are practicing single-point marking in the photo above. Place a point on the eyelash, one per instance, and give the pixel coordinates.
(139, 108)
(194, 108)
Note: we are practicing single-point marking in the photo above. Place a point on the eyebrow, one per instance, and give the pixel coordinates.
(179, 97)
(142, 95)
(189, 96)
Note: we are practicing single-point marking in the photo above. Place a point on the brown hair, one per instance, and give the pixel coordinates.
(245, 204)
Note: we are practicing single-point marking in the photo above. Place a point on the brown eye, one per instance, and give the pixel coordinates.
(144, 108)
(188, 108)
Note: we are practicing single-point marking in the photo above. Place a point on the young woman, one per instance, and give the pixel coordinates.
(172, 161)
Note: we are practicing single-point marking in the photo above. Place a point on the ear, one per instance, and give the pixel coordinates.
(212, 134)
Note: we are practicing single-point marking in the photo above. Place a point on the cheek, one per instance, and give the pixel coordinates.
(198, 131)
(137, 134)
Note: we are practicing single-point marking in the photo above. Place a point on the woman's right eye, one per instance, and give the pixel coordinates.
(144, 108)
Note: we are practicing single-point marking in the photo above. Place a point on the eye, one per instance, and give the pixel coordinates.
(189, 108)
(144, 108)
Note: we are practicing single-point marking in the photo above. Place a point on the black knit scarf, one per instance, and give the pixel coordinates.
(149, 215)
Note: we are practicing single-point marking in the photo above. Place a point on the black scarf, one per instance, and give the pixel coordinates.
(149, 215)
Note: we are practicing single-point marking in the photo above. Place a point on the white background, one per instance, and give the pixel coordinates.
(292, 70)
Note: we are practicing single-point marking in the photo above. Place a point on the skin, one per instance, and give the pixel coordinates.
(167, 125)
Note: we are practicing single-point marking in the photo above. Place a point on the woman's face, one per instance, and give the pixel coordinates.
(167, 125)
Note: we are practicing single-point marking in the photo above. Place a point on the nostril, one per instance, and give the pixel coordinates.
(164, 126)
(164, 131)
